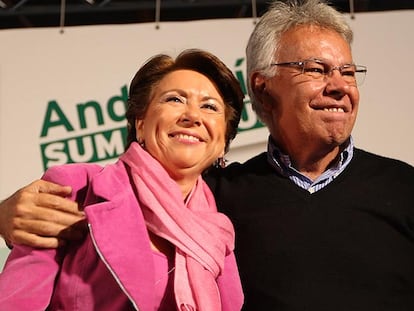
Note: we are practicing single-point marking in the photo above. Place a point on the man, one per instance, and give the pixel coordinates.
(320, 224)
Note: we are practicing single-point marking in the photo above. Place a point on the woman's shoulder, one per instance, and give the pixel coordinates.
(75, 175)
(71, 173)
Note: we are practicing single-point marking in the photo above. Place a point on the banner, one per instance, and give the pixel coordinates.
(62, 95)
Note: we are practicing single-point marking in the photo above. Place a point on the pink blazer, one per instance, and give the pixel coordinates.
(112, 269)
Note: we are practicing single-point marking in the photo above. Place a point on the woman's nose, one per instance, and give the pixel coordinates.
(191, 115)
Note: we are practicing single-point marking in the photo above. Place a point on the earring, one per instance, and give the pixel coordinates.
(220, 162)
(141, 142)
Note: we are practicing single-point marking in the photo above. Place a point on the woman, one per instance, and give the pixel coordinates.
(156, 240)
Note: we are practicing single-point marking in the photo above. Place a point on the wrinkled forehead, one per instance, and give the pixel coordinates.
(312, 41)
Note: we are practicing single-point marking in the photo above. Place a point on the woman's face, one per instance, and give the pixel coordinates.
(184, 126)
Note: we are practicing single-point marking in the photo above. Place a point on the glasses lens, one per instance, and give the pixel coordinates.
(314, 69)
(360, 73)
(348, 73)
(352, 74)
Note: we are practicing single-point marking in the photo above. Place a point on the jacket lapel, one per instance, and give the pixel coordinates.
(120, 235)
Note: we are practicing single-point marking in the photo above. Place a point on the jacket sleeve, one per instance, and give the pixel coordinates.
(29, 274)
(26, 282)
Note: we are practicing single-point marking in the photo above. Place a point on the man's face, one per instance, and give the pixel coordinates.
(308, 112)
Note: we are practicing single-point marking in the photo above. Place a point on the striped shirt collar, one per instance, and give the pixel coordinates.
(282, 164)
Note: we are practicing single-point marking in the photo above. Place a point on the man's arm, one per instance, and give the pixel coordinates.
(39, 215)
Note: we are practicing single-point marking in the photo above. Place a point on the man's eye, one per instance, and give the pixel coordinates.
(348, 73)
(318, 70)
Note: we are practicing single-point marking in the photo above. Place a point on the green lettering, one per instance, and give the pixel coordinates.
(54, 111)
(82, 113)
(240, 75)
(111, 105)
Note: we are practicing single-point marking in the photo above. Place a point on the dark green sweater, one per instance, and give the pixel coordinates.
(349, 246)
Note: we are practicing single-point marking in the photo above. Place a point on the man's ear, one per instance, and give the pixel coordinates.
(258, 85)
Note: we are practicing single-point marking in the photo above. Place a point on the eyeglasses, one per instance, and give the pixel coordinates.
(318, 70)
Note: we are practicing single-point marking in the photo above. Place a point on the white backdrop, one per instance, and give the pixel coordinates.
(42, 70)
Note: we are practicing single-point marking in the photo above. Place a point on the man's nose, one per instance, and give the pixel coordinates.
(335, 83)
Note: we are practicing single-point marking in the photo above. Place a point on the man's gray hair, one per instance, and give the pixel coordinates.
(279, 18)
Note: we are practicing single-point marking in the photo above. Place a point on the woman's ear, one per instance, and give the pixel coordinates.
(139, 128)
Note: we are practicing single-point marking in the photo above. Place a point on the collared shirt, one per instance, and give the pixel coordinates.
(282, 163)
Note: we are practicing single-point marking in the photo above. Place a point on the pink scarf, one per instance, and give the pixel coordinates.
(202, 236)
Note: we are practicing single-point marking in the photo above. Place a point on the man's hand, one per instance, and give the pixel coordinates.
(39, 215)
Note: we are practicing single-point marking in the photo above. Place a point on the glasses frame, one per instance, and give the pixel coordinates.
(326, 73)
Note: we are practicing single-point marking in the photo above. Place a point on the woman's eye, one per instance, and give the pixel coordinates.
(209, 106)
(175, 99)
